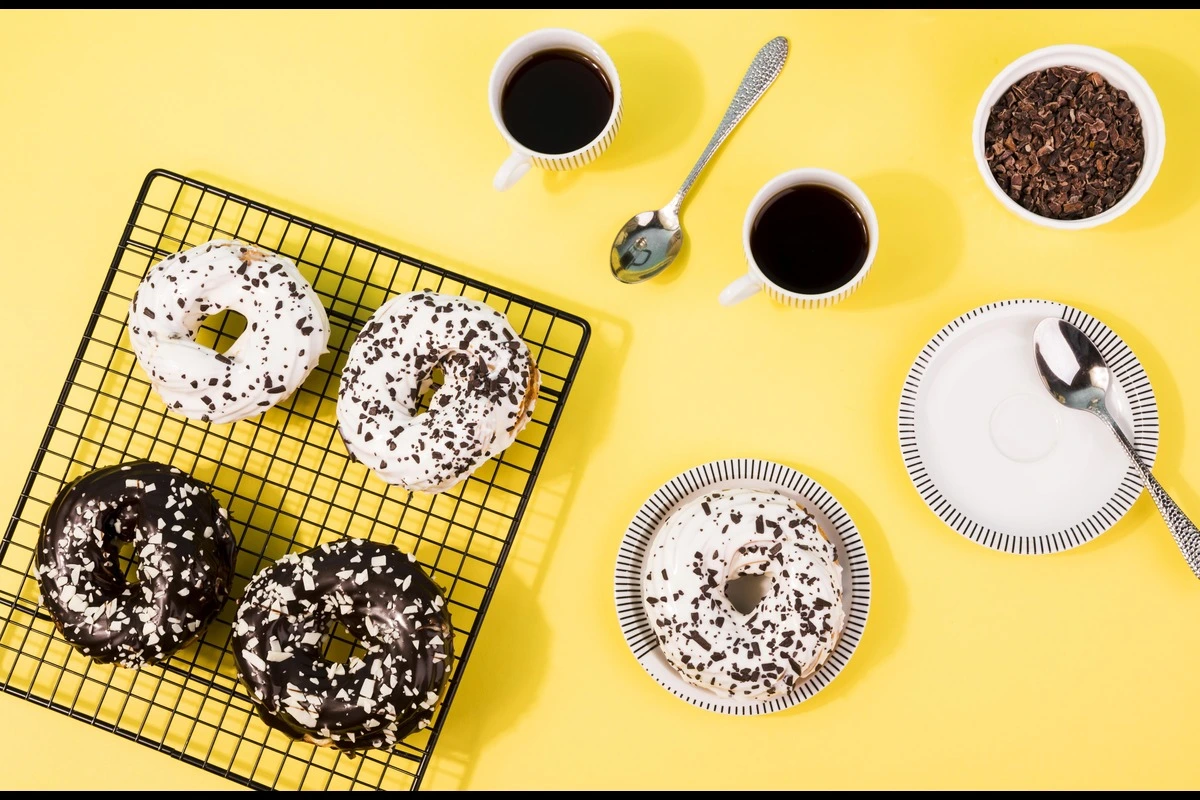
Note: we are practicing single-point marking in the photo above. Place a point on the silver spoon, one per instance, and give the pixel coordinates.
(1075, 373)
(651, 240)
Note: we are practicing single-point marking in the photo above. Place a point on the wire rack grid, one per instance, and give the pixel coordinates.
(286, 481)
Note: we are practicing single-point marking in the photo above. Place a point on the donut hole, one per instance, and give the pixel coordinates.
(745, 592)
(430, 387)
(340, 644)
(221, 330)
(119, 524)
(127, 559)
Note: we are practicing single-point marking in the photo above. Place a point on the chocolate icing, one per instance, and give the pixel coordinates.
(397, 614)
(185, 562)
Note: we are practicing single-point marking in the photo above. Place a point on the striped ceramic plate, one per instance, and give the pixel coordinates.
(743, 473)
(993, 454)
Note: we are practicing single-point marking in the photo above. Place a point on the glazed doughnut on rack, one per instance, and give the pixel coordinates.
(387, 603)
(487, 398)
(184, 548)
(286, 330)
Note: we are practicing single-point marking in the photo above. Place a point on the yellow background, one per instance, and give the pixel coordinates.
(977, 668)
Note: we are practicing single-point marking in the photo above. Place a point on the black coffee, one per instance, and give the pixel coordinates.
(556, 101)
(809, 239)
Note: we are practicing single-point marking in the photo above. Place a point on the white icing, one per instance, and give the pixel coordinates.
(286, 330)
(485, 400)
(717, 538)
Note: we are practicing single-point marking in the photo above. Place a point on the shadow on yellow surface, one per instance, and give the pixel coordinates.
(663, 97)
(1177, 186)
(515, 623)
(920, 239)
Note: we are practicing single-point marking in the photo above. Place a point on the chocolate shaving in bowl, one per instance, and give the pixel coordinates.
(1064, 143)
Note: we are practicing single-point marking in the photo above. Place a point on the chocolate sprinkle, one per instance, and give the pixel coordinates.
(1064, 143)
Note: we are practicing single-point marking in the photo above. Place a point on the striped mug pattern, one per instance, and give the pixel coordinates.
(522, 158)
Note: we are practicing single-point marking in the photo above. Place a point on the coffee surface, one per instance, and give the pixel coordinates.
(556, 101)
(810, 239)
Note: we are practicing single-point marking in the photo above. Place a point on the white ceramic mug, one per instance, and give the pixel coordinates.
(755, 281)
(522, 158)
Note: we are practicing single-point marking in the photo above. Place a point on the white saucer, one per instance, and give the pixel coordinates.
(750, 474)
(996, 457)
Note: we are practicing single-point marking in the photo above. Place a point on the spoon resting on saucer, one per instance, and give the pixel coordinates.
(1074, 371)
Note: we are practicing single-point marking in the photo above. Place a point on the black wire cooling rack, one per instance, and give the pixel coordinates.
(288, 485)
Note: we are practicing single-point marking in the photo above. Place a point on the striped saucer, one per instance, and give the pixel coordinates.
(743, 473)
(996, 457)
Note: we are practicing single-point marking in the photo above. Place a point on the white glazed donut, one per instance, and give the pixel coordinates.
(286, 330)
(487, 397)
(721, 536)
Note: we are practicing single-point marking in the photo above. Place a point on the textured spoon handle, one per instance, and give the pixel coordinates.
(1182, 528)
(1187, 537)
(764, 69)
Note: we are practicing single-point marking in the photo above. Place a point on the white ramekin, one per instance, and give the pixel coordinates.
(1118, 73)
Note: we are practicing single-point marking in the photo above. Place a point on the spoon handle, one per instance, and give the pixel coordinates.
(764, 69)
(1182, 528)
(1187, 537)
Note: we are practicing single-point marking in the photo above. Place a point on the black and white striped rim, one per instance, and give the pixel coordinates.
(752, 474)
(1128, 372)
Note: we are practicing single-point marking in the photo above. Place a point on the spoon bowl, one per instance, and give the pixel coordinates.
(645, 246)
(1071, 366)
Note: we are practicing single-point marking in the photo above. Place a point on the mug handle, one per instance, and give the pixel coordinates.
(739, 290)
(511, 171)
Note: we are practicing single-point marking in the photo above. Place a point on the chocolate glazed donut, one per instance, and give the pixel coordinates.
(387, 603)
(185, 562)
